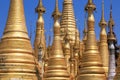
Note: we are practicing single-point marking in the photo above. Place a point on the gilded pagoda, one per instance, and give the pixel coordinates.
(68, 57)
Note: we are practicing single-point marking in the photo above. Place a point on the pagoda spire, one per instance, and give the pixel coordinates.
(68, 21)
(16, 55)
(40, 32)
(103, 46)
(102, 22)
(85, 30)
(111, 44)
(57, 68)
(91, 66)
(40, 41)
(56, 12)
(40, 8)
(111, 24)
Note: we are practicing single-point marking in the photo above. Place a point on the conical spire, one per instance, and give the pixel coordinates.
(40, 32)
(40, 41)
(91, 66)
(16, 54)
(56, 11)
(102, 22)
(57, 68)
(103, 46)
(111, 43)
(85, 30)
(111, 21)
(111, 24)
(68, 21)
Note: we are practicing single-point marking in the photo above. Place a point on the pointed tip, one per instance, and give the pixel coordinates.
(40, 1)
(111, 21)
(90, 1)
(102, 22)
(56, 12)
(111, 9)
(103, 9)
(56, 4)
(111, 24)
(40, 7)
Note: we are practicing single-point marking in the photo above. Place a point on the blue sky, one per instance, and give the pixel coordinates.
(31, 16)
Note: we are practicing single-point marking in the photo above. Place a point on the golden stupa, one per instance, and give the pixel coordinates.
(40, 41)
(40, 32)
(68, 57)
(103, 45)
(91, 65)
(57, 68)
(17, 61)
